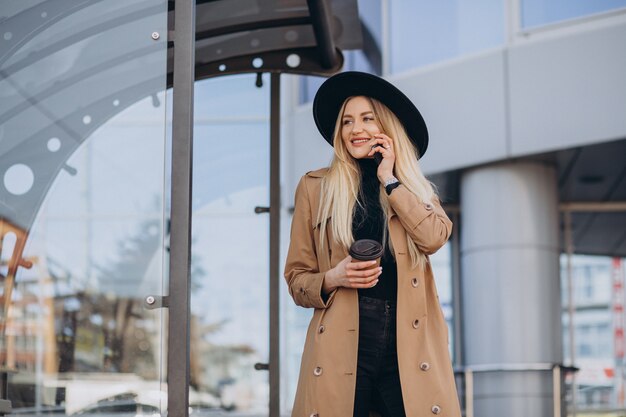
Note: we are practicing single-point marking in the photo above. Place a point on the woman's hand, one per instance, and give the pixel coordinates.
(351, 275)
(385, 169)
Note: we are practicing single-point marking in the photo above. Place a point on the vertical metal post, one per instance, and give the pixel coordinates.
(569, 247)
(274, 365)
(469, 393)
(556, 390)
(455, 251)
(385, 17)
(321, 18)
(178, 369)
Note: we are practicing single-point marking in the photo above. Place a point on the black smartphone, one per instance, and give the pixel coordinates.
(378, 157)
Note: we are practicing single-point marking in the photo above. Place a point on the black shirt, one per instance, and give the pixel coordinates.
(369, 222)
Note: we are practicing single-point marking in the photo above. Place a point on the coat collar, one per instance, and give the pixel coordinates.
(314, 198)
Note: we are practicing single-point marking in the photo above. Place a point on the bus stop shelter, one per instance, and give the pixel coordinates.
(67, 67)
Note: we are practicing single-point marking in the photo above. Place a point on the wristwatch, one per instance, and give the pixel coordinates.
(390, 184)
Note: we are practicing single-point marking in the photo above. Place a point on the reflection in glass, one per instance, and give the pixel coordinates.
(81, 205)
(230, 250)
(598, 289)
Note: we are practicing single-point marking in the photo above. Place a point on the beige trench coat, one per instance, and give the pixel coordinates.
(327, 380)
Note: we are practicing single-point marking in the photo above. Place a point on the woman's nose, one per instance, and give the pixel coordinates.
(357, 127)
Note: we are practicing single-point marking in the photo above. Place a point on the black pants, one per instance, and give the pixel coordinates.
(377, 378)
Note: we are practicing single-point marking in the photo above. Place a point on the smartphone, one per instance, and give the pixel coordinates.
(377, 156)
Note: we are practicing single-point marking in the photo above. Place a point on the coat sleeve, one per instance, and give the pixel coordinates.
(426, 223)
(301, 267)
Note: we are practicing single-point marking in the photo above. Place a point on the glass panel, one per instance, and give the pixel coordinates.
(425, 32)
(230, 251)
(544, 12)
(598, 288)
(82, 162)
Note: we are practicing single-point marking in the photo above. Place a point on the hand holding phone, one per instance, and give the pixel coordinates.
(378, 157)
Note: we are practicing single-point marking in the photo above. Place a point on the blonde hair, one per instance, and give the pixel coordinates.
(340, 186)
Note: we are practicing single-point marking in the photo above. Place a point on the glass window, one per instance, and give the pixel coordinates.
(423, 32)
(544, 12)
(598, 320)
(230, 246)
(82, 213)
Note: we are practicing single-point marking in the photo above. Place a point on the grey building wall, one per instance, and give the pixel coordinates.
(514, 101)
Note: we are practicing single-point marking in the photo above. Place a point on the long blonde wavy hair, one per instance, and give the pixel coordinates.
(340, 186)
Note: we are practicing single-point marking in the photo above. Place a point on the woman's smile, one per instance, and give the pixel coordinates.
(359, 141)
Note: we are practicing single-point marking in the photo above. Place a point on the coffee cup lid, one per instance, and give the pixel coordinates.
(366, 250)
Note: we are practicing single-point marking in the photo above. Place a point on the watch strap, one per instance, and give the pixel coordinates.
(389, 188)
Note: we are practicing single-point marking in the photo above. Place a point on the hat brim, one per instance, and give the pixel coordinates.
(335, 90)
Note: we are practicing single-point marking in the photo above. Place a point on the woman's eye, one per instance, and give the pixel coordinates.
(347, 122)
(368, 119)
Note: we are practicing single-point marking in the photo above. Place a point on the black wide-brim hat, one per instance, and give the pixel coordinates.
(335, 90)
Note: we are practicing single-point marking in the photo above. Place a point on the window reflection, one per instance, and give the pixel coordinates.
(598, 318)
(230, 251)
(81, 204)
(76, 329)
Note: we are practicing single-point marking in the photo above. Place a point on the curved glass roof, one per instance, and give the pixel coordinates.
(68, 66)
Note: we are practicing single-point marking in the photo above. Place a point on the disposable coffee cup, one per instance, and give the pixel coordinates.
(366, 250)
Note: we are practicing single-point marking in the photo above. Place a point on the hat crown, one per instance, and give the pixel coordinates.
(335, 90)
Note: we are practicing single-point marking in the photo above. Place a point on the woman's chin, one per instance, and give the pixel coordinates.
(360, 155)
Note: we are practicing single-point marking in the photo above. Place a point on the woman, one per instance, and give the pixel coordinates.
(377, 341)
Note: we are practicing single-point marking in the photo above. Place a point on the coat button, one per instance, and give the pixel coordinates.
(435, 409)
(317, 371)
(428, 206)
(415, 282)
(302, 290)
(321, 329)
(424, 366)
(416, 323)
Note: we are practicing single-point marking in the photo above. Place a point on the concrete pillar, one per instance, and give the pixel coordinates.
(511, 290)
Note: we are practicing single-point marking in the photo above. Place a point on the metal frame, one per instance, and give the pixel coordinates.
(178, 363)
(274, 365)
(566, 209)
(457, 292)
(321, 20)
(558, 374)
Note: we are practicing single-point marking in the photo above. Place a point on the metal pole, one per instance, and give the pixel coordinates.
(604, 206)
(322, 19)
(385, 16)
(178, 368)
(274, 365)
(569, 247)
(469, 393)
(457, 329)
(556, 390)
